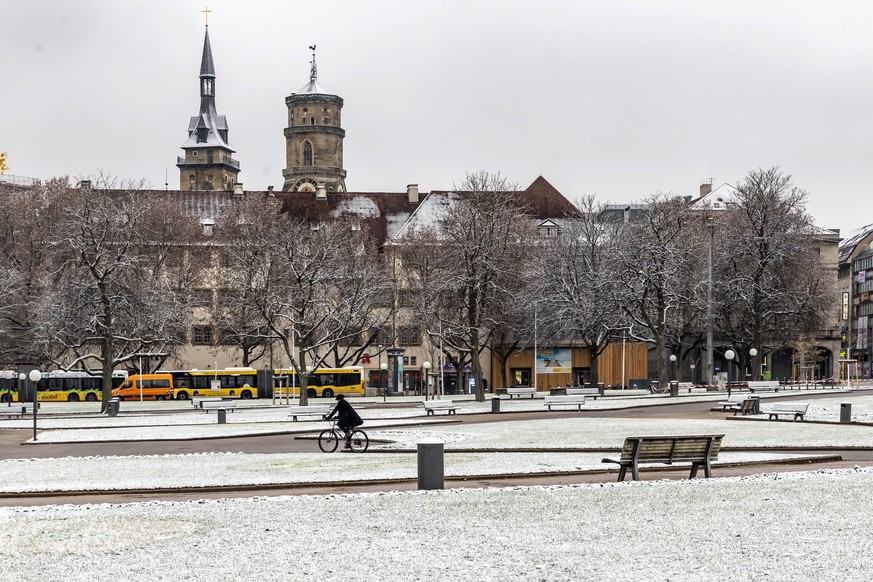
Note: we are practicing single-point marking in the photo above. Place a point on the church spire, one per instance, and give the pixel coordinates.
(208, 163)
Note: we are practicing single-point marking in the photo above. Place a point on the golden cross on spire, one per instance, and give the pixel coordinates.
(206, 12)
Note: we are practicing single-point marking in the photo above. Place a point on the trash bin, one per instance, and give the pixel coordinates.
(222, 416)
(495, 403)
(846, 412)
(113, 406)
(674, 388)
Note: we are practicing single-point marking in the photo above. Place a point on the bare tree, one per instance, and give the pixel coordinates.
(106, 298)
(312, 284)
(653, 257)
(571, 283)
(482, 247)
(773, 287)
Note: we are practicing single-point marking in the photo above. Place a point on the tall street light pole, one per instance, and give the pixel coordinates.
(35, 376)
(710, 227)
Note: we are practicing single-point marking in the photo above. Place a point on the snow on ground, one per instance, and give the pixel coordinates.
(791, 526)
(214, 469)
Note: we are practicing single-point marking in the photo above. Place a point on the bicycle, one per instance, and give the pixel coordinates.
(330, 438)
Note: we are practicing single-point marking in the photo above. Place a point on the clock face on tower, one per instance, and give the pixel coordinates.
(305, 185)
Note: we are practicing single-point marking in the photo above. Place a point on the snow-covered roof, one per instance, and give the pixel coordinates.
(719, 198)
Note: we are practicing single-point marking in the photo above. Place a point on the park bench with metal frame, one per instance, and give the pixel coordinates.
(699, 450)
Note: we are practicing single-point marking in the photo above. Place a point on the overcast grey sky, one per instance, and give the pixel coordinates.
(617, 98)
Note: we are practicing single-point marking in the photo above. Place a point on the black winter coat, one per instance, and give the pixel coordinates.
(347, 415)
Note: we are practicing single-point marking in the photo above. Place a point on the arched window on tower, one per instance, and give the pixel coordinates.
(307, 154)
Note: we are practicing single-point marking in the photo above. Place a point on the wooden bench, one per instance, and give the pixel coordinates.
(319, 410)
(432, 406)
(699, 450)
(16, 410)
(208, 405)
(748, 406)
(593, 392)
(568, 400)
(731, 403)
(763, 385)
(197, 401)
(797, 409)
(521, 391)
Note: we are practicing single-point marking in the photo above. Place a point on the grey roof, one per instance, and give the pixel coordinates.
(208, 118)
(207, 66)
(313, 87)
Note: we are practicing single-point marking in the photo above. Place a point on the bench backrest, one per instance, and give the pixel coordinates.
(577, 391)
(521, 390)
(747, 405)
(764, 384)
(790, 406)
(667, 449)
(437, 403)
(568, 398)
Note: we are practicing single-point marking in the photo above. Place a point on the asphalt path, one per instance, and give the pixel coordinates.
(12, 447)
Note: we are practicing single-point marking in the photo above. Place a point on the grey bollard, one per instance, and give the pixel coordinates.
(222, 416)
(846, 412)
(495, 403)
(431, 464)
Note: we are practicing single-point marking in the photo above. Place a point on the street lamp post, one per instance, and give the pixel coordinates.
(673, 365)
(35, 376)
(753, 352)
(729, 356)
(383, 368)
(426, 366)
(10, 376)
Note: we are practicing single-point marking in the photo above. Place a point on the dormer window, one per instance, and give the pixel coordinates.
(201, 135)
(207, 87)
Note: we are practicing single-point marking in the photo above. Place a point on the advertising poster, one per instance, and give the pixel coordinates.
(554, 362)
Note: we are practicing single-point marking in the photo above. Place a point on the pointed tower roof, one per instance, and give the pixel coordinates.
(207, 66)
(207, 128)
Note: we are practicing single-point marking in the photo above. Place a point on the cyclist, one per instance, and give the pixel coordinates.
(347, 418)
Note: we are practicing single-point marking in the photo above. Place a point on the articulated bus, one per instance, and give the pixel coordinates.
(242, 383)
(62, 387)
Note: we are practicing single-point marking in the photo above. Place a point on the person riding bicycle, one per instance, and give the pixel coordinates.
(347, 418)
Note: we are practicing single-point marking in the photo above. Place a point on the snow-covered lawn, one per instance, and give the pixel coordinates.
(792, 526)
(238, 469)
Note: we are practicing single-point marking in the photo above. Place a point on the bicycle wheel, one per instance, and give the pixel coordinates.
(328, 441)
(359, 441)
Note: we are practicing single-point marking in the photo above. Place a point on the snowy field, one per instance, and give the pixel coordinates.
(791, 526)
(786, 526)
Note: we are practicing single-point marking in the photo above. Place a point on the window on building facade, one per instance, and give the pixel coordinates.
(201, 297)
(408, 336)
(381, 336)
(201, 335)
(307, 154)
(405, 298)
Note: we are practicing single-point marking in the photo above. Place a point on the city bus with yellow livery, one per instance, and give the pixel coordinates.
(60, 386)
(244, 383)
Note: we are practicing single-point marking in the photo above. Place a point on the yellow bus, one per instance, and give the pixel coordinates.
(240, 383)
(324, 382)
(60, 386)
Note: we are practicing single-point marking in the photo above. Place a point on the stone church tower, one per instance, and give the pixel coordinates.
(314, 139)
(208, 163)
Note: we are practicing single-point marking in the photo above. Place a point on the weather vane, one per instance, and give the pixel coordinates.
(313, 73)
(206, 12)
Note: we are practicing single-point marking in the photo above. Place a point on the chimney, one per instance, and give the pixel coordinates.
(705, 188)
(270, 189)
(85, 184)
(321, 192)
(238, 189)
(412, 193)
